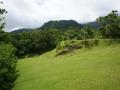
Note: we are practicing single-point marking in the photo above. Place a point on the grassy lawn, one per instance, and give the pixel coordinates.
(94, 69)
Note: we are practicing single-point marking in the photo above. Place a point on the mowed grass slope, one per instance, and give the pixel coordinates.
(84, 69)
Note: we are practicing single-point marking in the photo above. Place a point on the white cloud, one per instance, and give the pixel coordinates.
(33, 13)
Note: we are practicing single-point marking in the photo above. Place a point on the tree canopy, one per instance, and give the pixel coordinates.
(110, 25)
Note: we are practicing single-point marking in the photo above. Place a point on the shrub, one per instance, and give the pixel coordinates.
(71, 45)
(8, 72)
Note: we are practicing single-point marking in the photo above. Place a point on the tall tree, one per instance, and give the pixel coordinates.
(2, 12)
(3, 36)
(110, 25)
(8, 72)
(88, 32)
(111, 18)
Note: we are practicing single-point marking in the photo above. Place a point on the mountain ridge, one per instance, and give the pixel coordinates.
(60, 25)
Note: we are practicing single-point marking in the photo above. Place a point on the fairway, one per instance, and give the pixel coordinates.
(85, 69)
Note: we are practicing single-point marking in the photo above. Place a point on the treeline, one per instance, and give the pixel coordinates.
(35, 42)
(41, 40)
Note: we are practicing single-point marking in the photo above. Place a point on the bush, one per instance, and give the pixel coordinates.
(8, 72)
(89, 43)
(68, 46)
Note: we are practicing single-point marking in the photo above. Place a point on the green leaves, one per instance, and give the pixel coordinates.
(2, 12)
(111, 18)
(36, 42)
(110, 25)
(8, 72)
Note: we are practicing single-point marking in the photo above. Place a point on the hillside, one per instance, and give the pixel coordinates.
(85, 69)
(93, 24)
(62, 25)
(22, 30)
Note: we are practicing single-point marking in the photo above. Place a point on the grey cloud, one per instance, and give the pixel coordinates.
(33, 13)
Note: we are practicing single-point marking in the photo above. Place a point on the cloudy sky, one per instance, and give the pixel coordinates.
(33, 13)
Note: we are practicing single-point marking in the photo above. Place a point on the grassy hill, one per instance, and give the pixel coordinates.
(84, 69)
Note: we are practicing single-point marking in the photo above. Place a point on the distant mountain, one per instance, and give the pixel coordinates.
(62, 25)
(93, 24)
(22, 30)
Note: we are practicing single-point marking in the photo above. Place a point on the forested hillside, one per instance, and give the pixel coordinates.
(62, 25)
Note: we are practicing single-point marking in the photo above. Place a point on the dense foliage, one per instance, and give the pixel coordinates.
(110, 25)
(36, 42)
(69, 46)
(62, 25)
(8, 72)
(40, 41)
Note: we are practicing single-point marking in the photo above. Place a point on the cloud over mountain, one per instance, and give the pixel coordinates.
(33, 13)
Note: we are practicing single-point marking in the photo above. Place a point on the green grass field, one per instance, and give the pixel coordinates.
(84, 69)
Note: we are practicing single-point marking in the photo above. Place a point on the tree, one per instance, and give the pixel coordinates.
(88, 32)
(35, 42)
(3, 35)
(111, 18)
(2, 12)
(8, 72)
(111, 31)
(110, 25)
